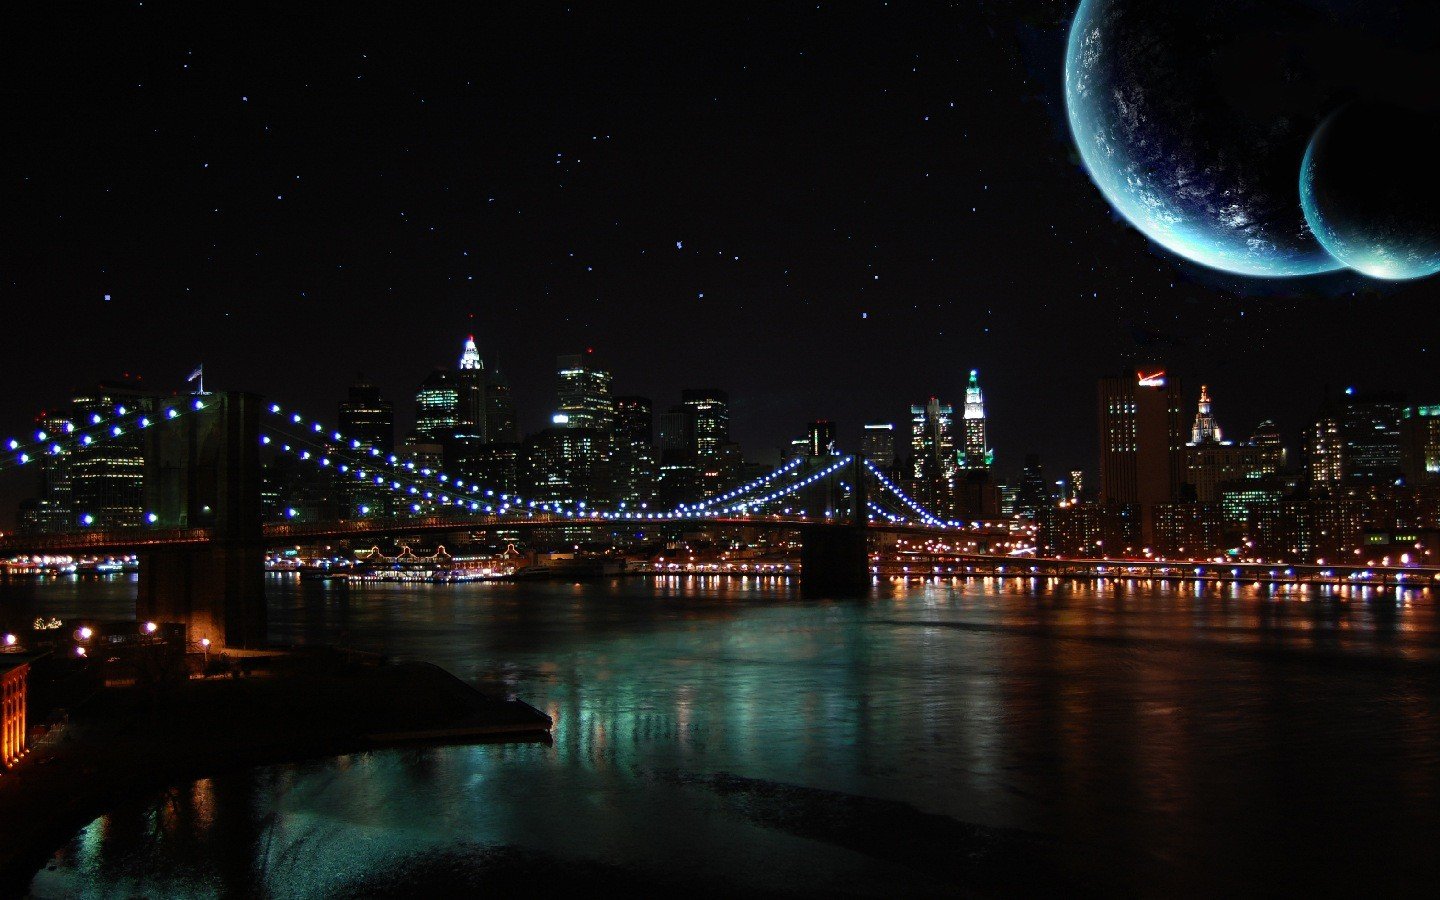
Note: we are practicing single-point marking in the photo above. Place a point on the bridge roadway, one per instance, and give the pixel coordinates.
(126, 540)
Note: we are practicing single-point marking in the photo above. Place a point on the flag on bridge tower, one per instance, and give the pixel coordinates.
(198, 375)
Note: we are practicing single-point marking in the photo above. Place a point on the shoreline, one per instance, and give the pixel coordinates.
(126, 743)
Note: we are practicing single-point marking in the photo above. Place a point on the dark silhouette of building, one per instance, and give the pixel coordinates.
(1142, 444)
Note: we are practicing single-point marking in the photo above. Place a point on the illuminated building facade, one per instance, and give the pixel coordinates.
(567, 464)
(1205, 430)
(14, 689)
(437, 407)
(820, 438)
(1269, 448)
(678, 479)
(711, 411)
(1142, 444)
(1370, 437)
(717, 459)
(1324, 452)
(1188, 530)
(1211, 462)
(107, 478)
(975, 452)
(53, 509)
(877, 444)
(635, 450)
(470, 383)
(932, 454)
(584, 393)
(1420, 444)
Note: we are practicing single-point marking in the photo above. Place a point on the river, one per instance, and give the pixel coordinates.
(726, 736)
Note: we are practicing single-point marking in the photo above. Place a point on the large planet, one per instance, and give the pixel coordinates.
(1370, 188)
(1194, 116)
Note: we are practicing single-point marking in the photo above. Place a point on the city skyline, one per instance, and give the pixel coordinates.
(607, 448)
(1005, 468)
(229, 207)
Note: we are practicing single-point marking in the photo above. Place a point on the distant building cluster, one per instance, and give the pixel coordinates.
(1171, 484)
(1367, 486)
(599, 448)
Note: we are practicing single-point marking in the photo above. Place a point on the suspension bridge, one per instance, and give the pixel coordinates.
(201, 548)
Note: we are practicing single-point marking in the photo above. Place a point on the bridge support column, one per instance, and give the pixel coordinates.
(834, 561)
(216, 590)
(202, 470)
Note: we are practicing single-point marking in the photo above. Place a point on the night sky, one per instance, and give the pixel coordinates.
(829, 210)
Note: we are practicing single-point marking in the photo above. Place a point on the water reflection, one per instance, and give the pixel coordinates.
(1168, 737)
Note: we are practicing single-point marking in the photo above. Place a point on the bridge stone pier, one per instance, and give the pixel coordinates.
(202, 470)
(834, 561)
(835, 557)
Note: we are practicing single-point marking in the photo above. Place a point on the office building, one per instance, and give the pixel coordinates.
(1032, 494)
(975, 453)
(470, 384)
(584, 394)
(1325, 451)
(107, 477)
(367, 417)
(437, 407)
(635, 469)
(877, 444)
(1370, 437)
(711, 411)
(933, 463)
(1142, 444)
(820, 438)
(570, 465)
(1420, 444)
(501, 424)
(1270, 448)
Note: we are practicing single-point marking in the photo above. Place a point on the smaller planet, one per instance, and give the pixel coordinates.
(1370, 189)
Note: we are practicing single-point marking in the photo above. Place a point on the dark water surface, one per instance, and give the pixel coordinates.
(1001, 737)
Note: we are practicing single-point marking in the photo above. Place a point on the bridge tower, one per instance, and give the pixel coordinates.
(202, 470)
(835, 556)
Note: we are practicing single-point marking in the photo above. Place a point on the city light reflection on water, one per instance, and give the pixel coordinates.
(1152, 737)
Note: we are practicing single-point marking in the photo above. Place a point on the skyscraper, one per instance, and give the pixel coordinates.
(1032, 495)
(54, 507)
(711, 408)
(501, 426)
(679, 475)
(932, 455)
(1325, 451)
(635, 450)
(367, 417)
(1205, 430)
(821, 438)
(470, 387)
(1370, 433)
(1270, 446)
(1142, 444)
(437, 407)
(1212, 463)
(975, 453)
(1420, 444)
(877, 444)
(584, 393)
(107, 478)
(569, 465)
